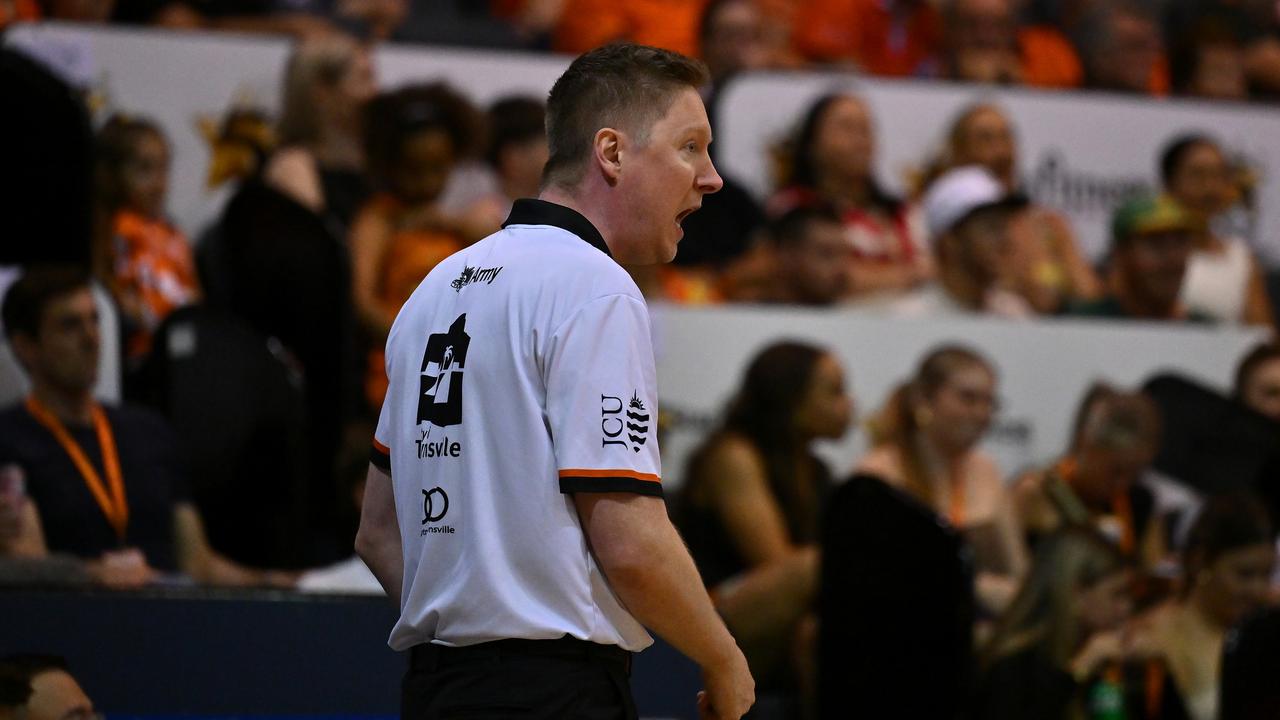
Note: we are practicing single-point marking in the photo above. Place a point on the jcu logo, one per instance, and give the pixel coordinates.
(613, 421)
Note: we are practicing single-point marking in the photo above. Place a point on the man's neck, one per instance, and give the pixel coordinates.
(70, 407)
(590, 211)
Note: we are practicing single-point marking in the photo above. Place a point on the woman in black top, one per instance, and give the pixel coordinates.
(750, 506)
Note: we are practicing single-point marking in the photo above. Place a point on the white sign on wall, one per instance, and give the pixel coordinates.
(1080, 152)
(1044, 368)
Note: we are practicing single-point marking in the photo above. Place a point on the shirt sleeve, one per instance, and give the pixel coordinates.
(602, 399)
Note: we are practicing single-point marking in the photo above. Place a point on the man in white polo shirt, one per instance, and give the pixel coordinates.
(514, 499)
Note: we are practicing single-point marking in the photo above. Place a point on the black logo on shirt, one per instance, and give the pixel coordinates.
(612, 423)
(472, 275)
(637, 422)
(435, 505)
(440, 386)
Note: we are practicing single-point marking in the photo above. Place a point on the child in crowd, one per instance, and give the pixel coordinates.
(138, 254)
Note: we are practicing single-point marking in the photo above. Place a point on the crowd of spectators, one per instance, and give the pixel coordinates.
(1214, 49)
(1084, 572)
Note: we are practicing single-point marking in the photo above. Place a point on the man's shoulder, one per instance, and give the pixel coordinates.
(136, 423)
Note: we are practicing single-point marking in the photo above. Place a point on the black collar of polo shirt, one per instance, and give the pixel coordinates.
(528, 211)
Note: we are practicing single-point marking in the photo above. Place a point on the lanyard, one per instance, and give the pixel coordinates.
(1120, 506)
(112, 499)
(957, 478)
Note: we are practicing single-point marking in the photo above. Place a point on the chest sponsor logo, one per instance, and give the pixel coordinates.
(471, 276)
(435, 505)
(618, 419)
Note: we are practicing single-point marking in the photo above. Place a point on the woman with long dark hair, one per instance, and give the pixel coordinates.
(831, 162)
(752, 497)
(1224, 278)
(1226, 567)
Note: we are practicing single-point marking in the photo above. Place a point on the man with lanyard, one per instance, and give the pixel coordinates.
(514, 501)
(102, 484)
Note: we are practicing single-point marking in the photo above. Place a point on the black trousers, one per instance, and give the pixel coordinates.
(564, 679)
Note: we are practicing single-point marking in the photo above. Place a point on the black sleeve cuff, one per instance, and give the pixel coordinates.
(571, 484)
(381, 458)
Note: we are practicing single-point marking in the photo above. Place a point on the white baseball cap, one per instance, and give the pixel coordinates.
(959, 193)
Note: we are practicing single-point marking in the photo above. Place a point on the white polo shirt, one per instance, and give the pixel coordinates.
(521, 371)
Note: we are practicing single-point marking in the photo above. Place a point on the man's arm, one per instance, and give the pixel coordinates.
(198, 559)
(650, 570)
(378, 539)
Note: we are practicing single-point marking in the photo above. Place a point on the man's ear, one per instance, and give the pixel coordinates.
(607, 153)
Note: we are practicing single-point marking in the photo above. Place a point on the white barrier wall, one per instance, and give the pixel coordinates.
(1044, 367)
(1079, 152)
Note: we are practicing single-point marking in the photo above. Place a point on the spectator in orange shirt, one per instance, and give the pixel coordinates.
(895, 38)
(983, 43)
(17, 10)
(1121, 49)
(414, 137)
(144, 260)
(668, 24)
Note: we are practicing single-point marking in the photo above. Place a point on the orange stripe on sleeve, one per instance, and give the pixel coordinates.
(647, 477)
(380, 447)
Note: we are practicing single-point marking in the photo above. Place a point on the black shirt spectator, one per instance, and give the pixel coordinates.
(69, 515)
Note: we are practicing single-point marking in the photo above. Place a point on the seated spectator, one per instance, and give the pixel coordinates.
(481, 194)
(40, 687)
(668, 24)
(1121, 49)
(1227, 566)
(982, 267)
(139, 255)
(752, 500)
(1253, 28)
(925, 441)
(1224, 279)
(1258, 380)
(320, 162)
(1060, 650)
(1101, 481)
(1208, 60)
(832, 163)
(809, 256)
(414, 137)
(983, 135)
(982, 42)
(896, 38)
(1151, 241)
(732, 38)
(101, 483)
(302, 19)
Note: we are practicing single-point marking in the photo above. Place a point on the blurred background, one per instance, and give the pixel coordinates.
(970, 394)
